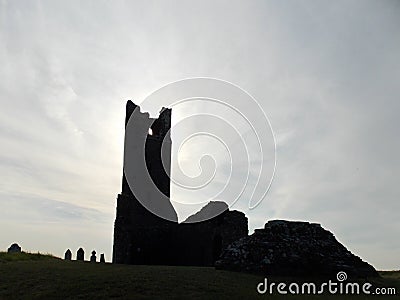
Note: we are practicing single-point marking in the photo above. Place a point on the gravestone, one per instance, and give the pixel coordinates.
(14, 248)
(102, 259)
(68, 255)
(93, 257)
(80, 254)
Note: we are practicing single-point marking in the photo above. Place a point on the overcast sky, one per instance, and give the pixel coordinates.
(325, 72)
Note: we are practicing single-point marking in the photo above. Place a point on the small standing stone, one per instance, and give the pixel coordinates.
(93, 257)
(80, 255)
(68, 255)
(14, 248)
(102, 259)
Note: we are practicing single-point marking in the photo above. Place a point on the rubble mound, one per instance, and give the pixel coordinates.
(291, 248)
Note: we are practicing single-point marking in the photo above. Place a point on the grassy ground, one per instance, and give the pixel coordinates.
(38, 276)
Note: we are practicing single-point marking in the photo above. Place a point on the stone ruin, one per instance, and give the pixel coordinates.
(281, 248)
(141, 237)
(290, 248)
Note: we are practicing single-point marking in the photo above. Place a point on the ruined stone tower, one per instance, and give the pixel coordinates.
(140, 235)
(156, 131)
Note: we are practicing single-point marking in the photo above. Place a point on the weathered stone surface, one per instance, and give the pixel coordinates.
(292, 248)
(14, 248)
(68, 255)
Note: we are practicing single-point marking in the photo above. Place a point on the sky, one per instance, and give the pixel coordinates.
(325, 73)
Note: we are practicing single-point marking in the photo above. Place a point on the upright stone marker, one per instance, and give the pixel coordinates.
(14, 248)
(80, 255)
(93, 257)
(68, 255)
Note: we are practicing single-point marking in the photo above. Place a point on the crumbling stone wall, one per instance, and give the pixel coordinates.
(140, 237)
(200, 244)
(281, 248)
(288, 248)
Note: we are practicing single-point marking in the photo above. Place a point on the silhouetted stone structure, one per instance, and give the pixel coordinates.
(80, 254)
(202, 243)
(293, 248)
(68, 255)
(14, 248)
(93, 258)
(102, 259)
(141, 237)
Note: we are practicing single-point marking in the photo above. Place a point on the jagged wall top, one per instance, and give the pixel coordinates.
(160, 126)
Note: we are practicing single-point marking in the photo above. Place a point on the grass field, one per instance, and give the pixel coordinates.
(39, 276)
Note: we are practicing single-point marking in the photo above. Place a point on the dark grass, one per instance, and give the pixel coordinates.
(22, 256)
(40, 276)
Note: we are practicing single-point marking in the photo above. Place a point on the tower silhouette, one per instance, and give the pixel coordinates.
(139, 234)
